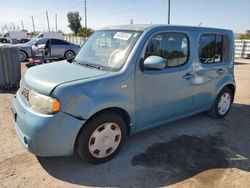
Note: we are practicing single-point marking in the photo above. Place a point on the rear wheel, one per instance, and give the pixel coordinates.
(101, 138)
(222, 103)
(69, 55)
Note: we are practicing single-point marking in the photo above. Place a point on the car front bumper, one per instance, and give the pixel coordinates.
(42, 134)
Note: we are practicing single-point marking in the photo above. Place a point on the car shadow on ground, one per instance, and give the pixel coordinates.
(166, 155)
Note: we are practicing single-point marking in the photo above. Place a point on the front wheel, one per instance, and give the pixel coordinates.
(4, 41)
(23, 56)
(101, 138)
(222, 103)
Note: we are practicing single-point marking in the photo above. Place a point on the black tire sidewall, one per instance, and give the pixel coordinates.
(26, 56)
(216, 109)
(65, 56)
(82, 147)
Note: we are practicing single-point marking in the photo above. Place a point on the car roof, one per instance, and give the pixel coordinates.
(143, 27)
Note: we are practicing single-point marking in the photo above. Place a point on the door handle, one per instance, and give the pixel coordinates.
(188, 76)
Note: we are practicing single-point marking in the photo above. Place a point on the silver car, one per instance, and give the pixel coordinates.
(57, 49)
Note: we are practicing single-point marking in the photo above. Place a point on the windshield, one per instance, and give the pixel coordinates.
(107, 49)
(31, 42)
(36, 41)
(6, 35)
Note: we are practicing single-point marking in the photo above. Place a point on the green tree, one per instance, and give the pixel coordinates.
(246, 35)
(85, 32)
(74, 20)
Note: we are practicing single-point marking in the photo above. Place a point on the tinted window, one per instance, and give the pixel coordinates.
(41, 41)
(170, 46)
(58, 42)
(211, 48)
(6, 35)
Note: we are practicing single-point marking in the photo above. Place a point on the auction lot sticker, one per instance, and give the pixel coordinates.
(122, 36)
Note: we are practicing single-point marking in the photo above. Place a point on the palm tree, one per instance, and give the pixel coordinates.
(85, 32)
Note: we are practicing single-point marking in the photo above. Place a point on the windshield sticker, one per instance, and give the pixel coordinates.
(122, 36)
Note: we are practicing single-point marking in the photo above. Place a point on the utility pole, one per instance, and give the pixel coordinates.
(48, 20)
(13, 26)
(33, 23)
(168, 11)
(22, 24)
(56, 22)
(85, 7)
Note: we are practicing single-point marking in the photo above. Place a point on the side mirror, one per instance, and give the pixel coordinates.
(154, 63)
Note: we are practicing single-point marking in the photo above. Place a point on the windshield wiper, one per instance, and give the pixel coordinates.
(92, 65)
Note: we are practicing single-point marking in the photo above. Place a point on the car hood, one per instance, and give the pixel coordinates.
(21, 45)
(44, 78)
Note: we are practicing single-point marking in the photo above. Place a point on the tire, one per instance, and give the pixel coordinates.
(23, 56)
(69, 54)
(107, 127)
(4, 41)
(218, 110)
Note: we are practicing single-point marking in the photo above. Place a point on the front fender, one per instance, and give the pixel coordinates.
(82, 99)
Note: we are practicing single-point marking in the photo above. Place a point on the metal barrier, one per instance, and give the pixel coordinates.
(10, 67)
(242, 48)
(75, 39)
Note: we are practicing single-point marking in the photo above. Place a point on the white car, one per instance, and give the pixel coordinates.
(20, 36)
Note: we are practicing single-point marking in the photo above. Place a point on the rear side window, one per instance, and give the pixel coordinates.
(212, 48)
(58, 42)
(170, 46)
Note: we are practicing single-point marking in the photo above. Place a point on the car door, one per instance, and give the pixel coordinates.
(211, 67)
(161, 95)
(58, 48)
(39, 44)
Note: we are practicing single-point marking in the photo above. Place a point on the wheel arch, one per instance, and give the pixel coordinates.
(120, 111)
(231, 87)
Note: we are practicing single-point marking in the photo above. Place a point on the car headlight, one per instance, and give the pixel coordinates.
(43, 103)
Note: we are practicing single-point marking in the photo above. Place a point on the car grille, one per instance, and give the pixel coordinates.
(25, 92)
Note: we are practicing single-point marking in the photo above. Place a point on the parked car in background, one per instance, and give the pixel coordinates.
(54, 35)
(125, 79)
(20, 36)
(57, 49)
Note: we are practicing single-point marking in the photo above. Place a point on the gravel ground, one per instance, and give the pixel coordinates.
(194, 152)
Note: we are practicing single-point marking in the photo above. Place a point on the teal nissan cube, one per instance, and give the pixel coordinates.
(125, 79)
